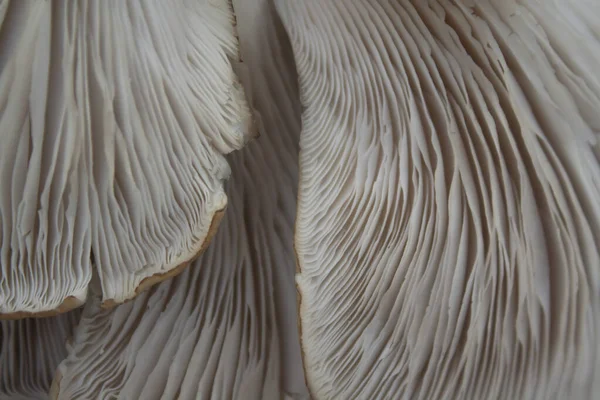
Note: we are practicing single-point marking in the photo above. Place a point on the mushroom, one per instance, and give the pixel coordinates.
(30, 351)
(226, 327)
(115, 116)
(448, 227)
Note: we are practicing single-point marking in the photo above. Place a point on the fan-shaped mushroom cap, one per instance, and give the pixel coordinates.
(114, 118)
(226, 327)
(448, 230)
(30, 351)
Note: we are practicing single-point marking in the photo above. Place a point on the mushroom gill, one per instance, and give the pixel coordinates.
(226, 327)
(448, 227)
(30, 351)
(115, 116)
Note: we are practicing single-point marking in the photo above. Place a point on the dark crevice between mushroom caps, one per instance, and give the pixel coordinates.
(299, 272)
(241, 71)
(287, 47)
(288, 54)
(150, 281)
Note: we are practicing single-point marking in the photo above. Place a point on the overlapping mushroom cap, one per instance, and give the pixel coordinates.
(114, 118)
(226, 327)
(448, 230)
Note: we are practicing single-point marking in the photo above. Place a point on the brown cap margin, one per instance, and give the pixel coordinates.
(72, 302)
(69, 303)
(152, 280)
(299, 320)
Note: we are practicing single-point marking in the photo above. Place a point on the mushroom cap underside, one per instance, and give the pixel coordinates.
(448, 227)
(115, 119)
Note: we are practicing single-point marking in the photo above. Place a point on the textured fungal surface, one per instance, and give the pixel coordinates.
(30, 351)
(448, 229)
(114, 119)
(226, 327)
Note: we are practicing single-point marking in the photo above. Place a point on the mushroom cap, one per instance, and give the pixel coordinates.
(226, 327)
(448, 227)
(30, 351)
(115, 119)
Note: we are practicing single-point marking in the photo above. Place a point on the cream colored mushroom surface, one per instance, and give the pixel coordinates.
(30, 351)
(448, 228)
(226, 327)
(114, 119)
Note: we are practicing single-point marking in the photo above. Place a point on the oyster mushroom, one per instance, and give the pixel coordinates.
(226, 327)
(30, 351)
(448, 227)
(115, 116)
